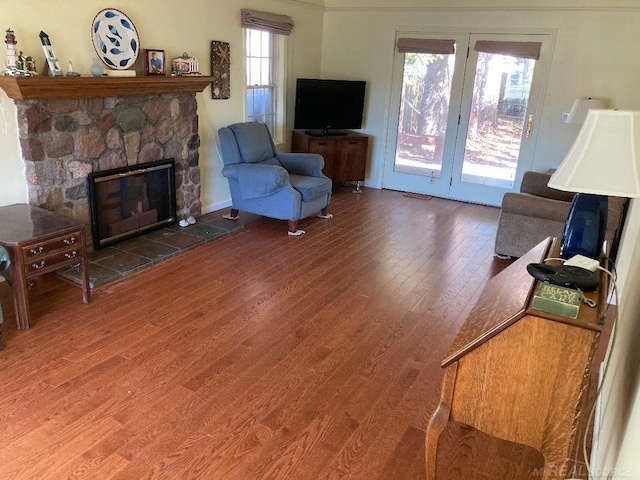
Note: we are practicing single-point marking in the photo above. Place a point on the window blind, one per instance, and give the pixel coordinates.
(270, 22)
(516, 49)
(425, 45)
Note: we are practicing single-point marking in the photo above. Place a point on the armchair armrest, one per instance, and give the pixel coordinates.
(257, 180)
(308, 164)
(535, 183)
(534, 206)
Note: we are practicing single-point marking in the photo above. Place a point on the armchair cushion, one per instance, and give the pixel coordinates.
(309, 164)
(310, 188)
(531, 205)
(257, 180)
(254, 142)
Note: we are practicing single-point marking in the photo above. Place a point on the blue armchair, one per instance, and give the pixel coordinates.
(286, 186)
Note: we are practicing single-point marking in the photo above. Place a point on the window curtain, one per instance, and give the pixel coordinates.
(515, 49)
(424, 45)
(270, 22)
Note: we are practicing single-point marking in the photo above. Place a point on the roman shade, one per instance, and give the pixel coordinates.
(425, 45)
(516, 49)
(270, 22)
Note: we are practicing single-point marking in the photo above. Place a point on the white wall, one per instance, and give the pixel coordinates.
(620, 432)
(593, 56)
(187, 25)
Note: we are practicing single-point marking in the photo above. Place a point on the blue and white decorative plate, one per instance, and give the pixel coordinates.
(115, 39)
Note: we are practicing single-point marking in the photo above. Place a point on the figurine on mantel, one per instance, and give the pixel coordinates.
(10, 40)
(184, 65)
(71, 72)
(17, 64)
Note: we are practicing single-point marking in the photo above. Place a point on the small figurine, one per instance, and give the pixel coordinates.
(50, 57)
(31, 65)
(185, 65)
(21, 62)
(10, 40)
(70, 72)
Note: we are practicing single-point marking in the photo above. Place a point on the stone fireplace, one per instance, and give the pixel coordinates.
(70, 127)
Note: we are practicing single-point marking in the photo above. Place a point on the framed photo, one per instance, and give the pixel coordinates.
(154, 62)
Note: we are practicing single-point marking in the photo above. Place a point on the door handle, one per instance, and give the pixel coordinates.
(529, 125)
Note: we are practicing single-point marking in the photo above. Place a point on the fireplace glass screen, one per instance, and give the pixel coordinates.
(126, 202)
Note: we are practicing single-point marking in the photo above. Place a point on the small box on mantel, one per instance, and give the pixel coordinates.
(558, 300)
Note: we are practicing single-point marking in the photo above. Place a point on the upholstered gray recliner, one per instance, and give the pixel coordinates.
(287, 186)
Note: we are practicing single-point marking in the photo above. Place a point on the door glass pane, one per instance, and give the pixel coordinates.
(424, 110)
(497, 119)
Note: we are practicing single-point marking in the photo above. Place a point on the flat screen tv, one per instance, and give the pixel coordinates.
(324, 106)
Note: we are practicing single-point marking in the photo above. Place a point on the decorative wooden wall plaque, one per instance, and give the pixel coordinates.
(220, 67)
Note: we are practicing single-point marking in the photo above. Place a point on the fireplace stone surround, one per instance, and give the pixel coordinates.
(74, 131)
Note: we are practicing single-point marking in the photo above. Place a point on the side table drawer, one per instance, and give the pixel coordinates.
(36, 265)
(42, 249)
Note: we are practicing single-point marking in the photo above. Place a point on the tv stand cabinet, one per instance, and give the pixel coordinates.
(345, 155)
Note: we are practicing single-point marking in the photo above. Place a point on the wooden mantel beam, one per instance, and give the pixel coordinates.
(47, 88)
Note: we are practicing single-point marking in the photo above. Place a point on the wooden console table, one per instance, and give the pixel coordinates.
(514, 383)
(39, 241)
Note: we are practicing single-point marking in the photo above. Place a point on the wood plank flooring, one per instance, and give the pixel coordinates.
(258, 356)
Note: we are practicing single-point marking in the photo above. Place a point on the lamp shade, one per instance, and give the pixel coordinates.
(581, 107)
(605, 157)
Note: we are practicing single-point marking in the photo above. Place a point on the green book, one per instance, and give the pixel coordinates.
(558, 300)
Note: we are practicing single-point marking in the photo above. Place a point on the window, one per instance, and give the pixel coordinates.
(265, 70)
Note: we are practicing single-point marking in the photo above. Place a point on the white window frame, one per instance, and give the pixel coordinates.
(277, 81)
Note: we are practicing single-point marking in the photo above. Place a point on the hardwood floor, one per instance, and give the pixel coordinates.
(255, 356)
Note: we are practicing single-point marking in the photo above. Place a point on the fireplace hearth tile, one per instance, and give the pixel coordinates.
(208, 232)
(102, 253)
(128, 245)
(98, 275)
(221, 223)
(112, 263)
(124, 262)
(183, 241)
(155, 251)
(159, 234)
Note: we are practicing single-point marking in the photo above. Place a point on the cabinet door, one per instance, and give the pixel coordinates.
(328, 148)
(353, 159)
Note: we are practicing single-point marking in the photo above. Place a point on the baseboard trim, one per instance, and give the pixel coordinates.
(216, 206)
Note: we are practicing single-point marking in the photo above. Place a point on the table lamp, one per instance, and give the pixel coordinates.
(603, 161)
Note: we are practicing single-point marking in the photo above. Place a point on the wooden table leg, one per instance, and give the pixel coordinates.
(21, 299)
(84, 265)
(86, 289)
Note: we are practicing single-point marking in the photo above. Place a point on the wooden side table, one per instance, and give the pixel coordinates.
(38, 242)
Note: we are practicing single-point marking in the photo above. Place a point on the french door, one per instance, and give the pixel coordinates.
(464, 114)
